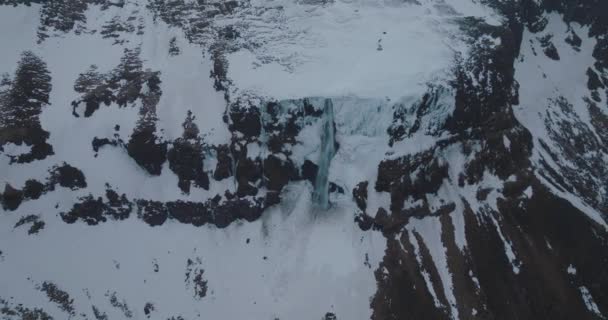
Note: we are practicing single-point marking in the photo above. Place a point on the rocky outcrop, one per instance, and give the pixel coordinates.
(186, 157)
(65, 176)
(21, 101)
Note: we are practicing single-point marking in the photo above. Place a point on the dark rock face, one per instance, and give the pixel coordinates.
(245, 118)
(223, 168)
(123, 86)
(577, 143)
(245, 209)
(502, 293)
(89, 210)
(277, 173)
(365, 222)
(330, 316)
(98, 143)
(484, 278)
(21, 102)
(34, 221)
(68, 177)
(408, 120)
(394, 177)
(549, 48)
(186, 157)
(33, 189)
(145, 148)
(64, 175)
(194, 213)
(309, 171)
(93, 210)
(117, 207)
(60, 16)
(248, 174)
(148, 309)
(11, 198)
(360, 195)
(153, 213)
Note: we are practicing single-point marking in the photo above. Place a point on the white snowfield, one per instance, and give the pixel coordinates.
(382, 49)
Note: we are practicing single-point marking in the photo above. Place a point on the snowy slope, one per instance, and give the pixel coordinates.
(430, 159)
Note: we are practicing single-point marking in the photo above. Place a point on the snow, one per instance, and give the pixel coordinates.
(425, 275)
(515, 264)
(542, 79)
(506, 142)
(308, 50)
(474, 279)
(589, 303)
(313, 265)
(300, 262)
(429, 229)
(528, 192)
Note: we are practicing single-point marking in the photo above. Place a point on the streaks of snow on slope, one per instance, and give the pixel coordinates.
(429, 229)
(588, 299)
(554, 104)
(541, 78)
(425, 274)
(292, 267)
(307, 50)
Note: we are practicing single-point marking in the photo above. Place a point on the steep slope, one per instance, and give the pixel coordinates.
(431, 159)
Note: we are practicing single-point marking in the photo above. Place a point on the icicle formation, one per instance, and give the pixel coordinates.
(328, 150)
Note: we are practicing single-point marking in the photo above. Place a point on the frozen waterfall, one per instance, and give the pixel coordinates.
(327, 152)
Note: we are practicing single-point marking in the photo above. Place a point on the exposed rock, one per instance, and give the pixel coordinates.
(98, 314)
(248, 170)
(223, 168)
(34, 220)
(194, 213)
(119, 304)
(186, 157)
(245, 119)
(360, 195)
(67, 177)
(548, 47)
(148, 309)
(19, 311)
(90, 210)
(21, 102)
(410, 176)
(33, 189)
(11, 198)
(334, 188)
(118, 207)
(278, 173)
(365, 222)
(195, 278)
(146, 149)
(59, 297)
(309, 171)
(98, 143)
(153, 213)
